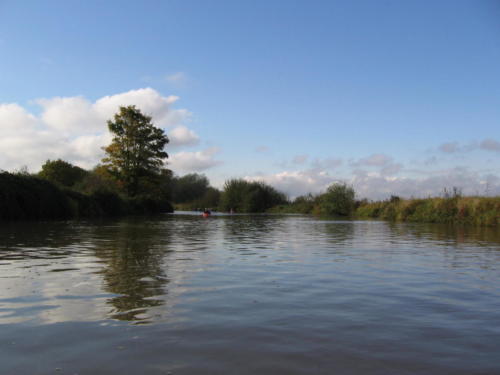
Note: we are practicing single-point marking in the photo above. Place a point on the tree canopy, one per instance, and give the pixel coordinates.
(61, 172)
(245, 196)
(136, 154)
(189, 187)
(337, 201)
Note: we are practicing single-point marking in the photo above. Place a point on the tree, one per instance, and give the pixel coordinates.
(136, 154)
(245, 196)
(190, 187)
(61, 172)
(337, 201)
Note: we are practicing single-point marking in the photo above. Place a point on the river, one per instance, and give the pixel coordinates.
(248, 294)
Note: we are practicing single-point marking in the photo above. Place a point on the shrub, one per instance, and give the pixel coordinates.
(244, 196)
(62, 173)
(337, 201)
(29, 197)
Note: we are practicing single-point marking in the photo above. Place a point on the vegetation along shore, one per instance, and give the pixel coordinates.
(132, 179)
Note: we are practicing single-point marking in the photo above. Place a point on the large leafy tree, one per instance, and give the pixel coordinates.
(136, 154)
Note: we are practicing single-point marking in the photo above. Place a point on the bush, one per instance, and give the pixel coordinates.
(337, 201)
(62, 173)
(244, 196)
(188, 188)
(453, 208)
(28, 197)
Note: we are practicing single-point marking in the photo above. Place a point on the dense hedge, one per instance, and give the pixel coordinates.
(26, 197)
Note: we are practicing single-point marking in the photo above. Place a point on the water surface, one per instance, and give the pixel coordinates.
(179, 294)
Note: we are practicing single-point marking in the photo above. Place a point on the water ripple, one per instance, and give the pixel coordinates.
(244, 294)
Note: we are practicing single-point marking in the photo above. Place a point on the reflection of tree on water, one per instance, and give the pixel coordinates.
(38, 240)
(339, 233)
(246, 233)
(134, 267)
(243, 226)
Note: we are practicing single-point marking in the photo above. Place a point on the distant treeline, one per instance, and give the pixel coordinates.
(61, 190)
(64, 191)
(192, 192)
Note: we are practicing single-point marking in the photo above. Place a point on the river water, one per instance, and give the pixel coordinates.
(179, 294)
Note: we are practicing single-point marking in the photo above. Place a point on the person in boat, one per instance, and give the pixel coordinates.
(206, 212)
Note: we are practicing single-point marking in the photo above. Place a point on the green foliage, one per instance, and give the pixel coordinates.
(62, 173)
(25, 197)
(136, 154)
(209, 200)
(337, 201)
(303, 204)
(97, 180)
(453, 208)
(190, 187)
(244, 196)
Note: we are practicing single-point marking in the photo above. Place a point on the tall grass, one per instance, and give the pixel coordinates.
(483, 211)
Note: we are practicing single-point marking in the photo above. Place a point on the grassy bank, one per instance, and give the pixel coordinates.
(339, 201)
(483, 211)
(27, 197)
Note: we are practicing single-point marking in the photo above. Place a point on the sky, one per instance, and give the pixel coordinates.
(390, 97)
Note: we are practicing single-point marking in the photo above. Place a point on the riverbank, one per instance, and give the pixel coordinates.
(27, 197)
(480, 211)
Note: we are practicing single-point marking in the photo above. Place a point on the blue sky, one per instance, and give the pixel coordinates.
(392, 97)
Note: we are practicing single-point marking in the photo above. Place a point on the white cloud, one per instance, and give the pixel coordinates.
(149, 101)
(73, 114)
(391, 169)
(194, 161)
(78, 113)
(468, 181)
(295, 183)
(15, 120)
(74, 128)
(385, 164)
(182, 136)
(374, 185)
